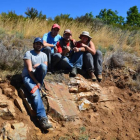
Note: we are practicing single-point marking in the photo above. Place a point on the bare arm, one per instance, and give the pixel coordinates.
(29, 67)
(47, 44)
(90, 48)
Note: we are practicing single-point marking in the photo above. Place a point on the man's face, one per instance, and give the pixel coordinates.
(54, 31)
(37, 46)
(67, 36)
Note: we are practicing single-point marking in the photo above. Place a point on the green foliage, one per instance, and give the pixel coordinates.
(10, 16)
(65, 17)
(88, 17)
(102, 49)
(33, 13)
(133, 17)
(110, 17)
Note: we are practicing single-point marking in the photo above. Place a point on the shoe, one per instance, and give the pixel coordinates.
(92, 76)
(44, 123)
(100, 76)
(74, 71)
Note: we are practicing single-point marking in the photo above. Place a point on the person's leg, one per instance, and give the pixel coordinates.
(35, 97)
(65, 64)
(77, 59)
(56, 57)
(36, 101)
(98, 63)
(88, 62)
(40, 73)
(47, 51)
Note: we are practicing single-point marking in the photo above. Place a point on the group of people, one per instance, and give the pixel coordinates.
(56, 52)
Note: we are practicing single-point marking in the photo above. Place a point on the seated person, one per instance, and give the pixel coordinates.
(34, 71)
(49, 41)
(70, 57)
(92, 59)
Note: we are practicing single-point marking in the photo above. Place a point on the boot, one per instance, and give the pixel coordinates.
(100, 76)
(44, 123)
(91, 75)
(74, 71)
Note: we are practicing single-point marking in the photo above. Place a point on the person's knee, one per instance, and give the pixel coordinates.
(47, 49)
(98, 53)
(43, 67)
(57, 56)
(88, 55)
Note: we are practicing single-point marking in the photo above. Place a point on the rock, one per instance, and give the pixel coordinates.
(83, 87)
(18, 102)
(73, 89)
(16, 131)
(3, 85)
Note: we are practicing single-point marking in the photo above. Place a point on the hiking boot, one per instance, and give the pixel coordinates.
(74, 72)
(100, 76)
(92, 76)
(44, 123)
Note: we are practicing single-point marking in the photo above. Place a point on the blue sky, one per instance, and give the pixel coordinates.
(52, 8)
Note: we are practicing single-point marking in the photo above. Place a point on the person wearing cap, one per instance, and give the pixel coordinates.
(70, 58)
(34, 71)
(49, 41)
(92, 59)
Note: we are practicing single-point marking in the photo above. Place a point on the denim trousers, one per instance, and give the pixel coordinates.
(62, 62)
(34, 97)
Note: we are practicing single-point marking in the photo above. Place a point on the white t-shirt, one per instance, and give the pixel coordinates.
(35, 59)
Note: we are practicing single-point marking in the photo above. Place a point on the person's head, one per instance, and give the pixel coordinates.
(38, 44)
(55, 29)
(85, 37)
(67, 34)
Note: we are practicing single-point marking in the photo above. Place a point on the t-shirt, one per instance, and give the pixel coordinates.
(51, 40)
(35, 59)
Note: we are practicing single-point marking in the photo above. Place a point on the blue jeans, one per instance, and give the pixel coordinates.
(35, 98)
(76, 60)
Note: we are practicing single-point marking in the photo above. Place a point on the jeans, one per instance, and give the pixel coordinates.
(33, 93)
(93, 62)
(62, 62)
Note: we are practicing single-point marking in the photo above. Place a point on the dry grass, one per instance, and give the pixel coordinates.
(105, 36)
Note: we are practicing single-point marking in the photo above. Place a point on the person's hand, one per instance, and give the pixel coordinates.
(83, 45)
(35, 66)
(39, 85)
(76, 49)
(55, 49)
(68, 48)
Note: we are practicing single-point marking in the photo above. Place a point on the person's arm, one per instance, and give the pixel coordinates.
(66, 50)
(90, 48)
(81, 49)
(45, 43)
(30, 72)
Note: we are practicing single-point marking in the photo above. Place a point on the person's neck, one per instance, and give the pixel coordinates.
(37, 52)
(52, 35)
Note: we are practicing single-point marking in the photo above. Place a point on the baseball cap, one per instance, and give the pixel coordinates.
(56, 26)
(67, 31)
(38, 39)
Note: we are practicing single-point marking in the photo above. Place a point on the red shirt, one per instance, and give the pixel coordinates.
(59, 49)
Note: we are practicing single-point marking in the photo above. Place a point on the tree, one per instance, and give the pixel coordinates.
(33, 13)
(65, 17)
(110, 17)
(133, 16)
(88, 17)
